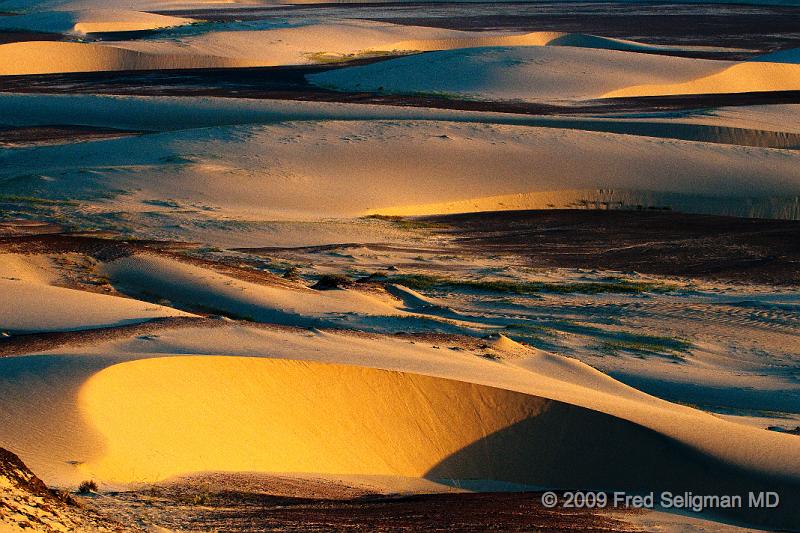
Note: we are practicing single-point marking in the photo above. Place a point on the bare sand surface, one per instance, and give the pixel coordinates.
(351, 142)
(232, 307)
(84, 372)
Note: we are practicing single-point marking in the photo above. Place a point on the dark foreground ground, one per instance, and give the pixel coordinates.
(234, 511)
(197, 505)
(659, 242)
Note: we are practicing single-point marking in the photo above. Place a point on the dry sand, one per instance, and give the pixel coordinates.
(135, 403)
(170, 425)
(90, 21)
(366, 163)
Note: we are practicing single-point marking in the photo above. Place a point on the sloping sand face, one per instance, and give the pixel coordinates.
(182, 414)
(304, 44)
(31, 304)
(41, 57)
(91, 21)
(743, 77)
(193, 287)
(166, 416)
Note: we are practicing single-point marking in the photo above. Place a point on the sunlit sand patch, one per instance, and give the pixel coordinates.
(91, 21)
(743, 77)
(31, 304)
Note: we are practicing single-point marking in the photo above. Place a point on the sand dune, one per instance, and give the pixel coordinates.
(528, 73)
(282, 46)
(30, 307)
(40, 57)
(31, 304)
(119, 425)
(194, 287)
(751, 207)
(539, 38)
(91, 21)
(772, 126)
(367, 166)
(742, 77)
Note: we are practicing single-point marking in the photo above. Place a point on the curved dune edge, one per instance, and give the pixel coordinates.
(537, 38)
(742, 77)
(196, 287)
(166, 416)
(256, 48)
(87, 21)
(42, 57)
(787, 208)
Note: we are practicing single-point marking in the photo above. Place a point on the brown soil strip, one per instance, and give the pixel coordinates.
(41, 342)
(239, 511)
(49, 135)
(663, 243)
(7, 37)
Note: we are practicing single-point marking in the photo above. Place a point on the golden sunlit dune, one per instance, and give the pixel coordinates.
(91, 21)
(742, 77)
(41, 57)
(129, 411)
(538, 38)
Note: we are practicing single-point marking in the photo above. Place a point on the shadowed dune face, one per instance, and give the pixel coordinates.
(164, 416)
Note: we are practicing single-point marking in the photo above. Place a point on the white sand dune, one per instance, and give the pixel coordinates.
(137, 5)
(463, 418)
(91, 21)
(538, 38)
(770, 126)
(528, 73)
(42, 57)
(357, 167)
(198, 288)
(757, 207)
(31, 304)
(32, 307)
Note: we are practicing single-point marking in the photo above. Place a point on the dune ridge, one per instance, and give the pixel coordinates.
(787, 207)
(91, 21)
(250, 48)
(31, 304)
(744, 77)
(193, 286)
(537, 38)
(512, 423)
(42, 57)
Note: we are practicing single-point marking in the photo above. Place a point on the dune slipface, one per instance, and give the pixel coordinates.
(167, 416)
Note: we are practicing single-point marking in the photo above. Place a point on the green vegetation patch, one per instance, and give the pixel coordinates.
(646, 345)
(34, 200)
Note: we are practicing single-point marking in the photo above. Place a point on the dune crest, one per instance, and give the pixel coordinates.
(744, 77)
(91, 21)
(537, 38)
